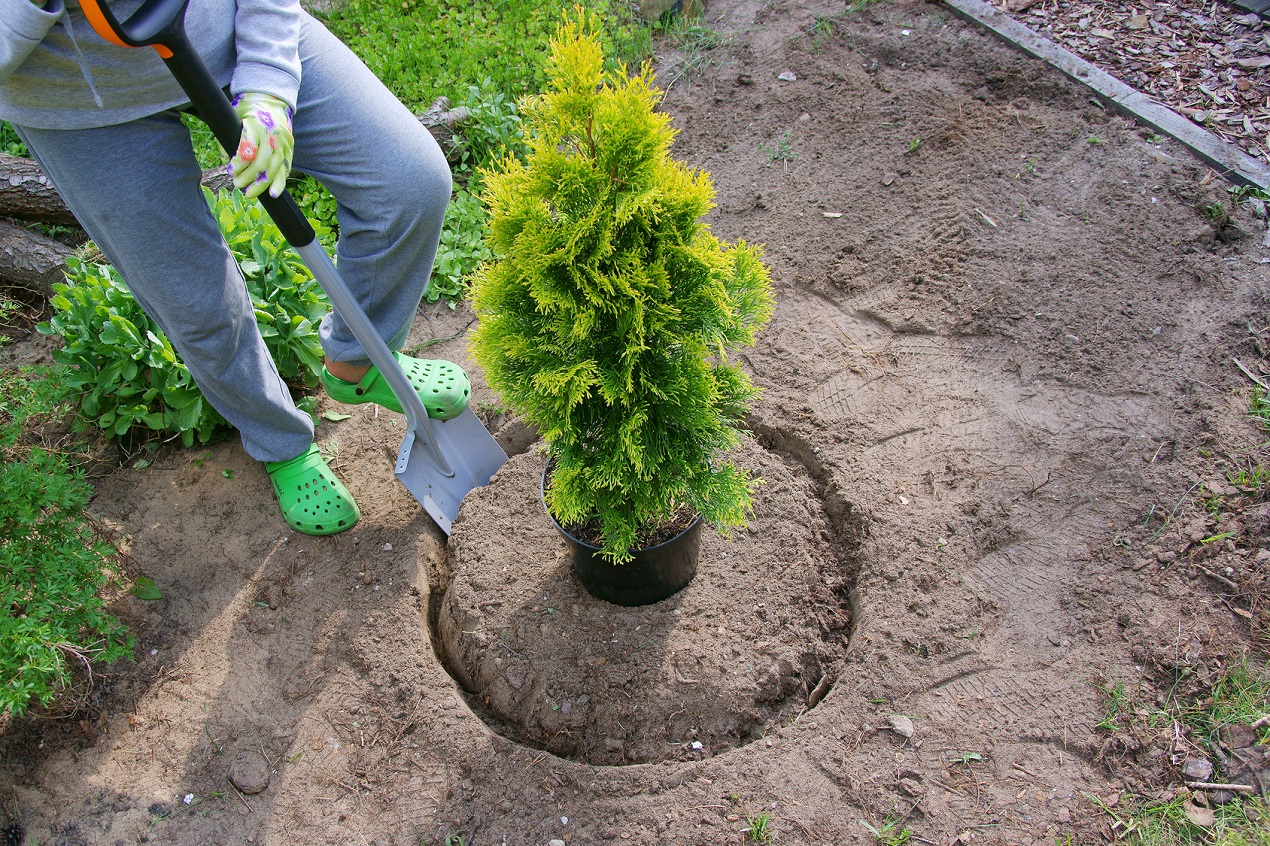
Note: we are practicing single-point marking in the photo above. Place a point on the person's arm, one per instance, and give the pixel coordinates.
(265, 88)
(267, 37)
(23, 24)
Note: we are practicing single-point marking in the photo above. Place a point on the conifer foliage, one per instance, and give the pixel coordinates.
(608, 318)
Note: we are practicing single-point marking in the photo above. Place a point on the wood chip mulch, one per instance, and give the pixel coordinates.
(1208, 61)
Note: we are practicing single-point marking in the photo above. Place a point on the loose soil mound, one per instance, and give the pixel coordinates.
(754, 640)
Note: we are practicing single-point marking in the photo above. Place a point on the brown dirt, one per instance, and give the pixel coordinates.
(999, 416)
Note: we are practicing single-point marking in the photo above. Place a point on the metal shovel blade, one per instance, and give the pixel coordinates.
(474, 457)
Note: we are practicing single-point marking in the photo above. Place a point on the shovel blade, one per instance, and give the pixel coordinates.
(473, 454)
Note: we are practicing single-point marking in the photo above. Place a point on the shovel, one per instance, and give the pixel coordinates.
(439, 461)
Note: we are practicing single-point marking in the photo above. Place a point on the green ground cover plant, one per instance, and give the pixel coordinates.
(53, 565)
(127, 379)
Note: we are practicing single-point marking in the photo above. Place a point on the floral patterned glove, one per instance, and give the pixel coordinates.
(263, 159)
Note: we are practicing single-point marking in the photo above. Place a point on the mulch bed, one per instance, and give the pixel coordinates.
(1208, 61)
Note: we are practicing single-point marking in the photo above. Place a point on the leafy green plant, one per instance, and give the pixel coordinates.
(10, 143)
(462, 248)
(913, 146)
(423, 49)
(123, 370)
(491, 130)
(7, 309)
(128, 378)
(607, 319)
(53, 566)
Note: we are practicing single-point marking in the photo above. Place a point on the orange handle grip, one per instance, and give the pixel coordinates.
(147, 27)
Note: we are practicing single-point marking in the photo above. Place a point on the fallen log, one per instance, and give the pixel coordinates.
(29, 260)
(26, 193)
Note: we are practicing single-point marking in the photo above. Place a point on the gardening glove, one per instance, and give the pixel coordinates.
(263, 159)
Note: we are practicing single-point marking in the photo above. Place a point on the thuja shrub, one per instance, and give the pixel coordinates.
(130, 382)
(53, 567)
(609, 317)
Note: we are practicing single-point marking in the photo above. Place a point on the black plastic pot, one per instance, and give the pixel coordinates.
(653, 574)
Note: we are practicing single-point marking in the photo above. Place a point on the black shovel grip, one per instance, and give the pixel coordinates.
(161, 24)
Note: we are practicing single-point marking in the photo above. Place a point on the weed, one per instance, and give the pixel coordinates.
(10, 143)
(7, 309)
(1251, 480)
(128, 379)
(821, 31)
(783, 152)
(759, 829)
(890, 833)
(1095, 140)
(1246, 193)
(1116, 704)
(1179, 816)
(912, 146)
(695, 44)
(53, 564)
(1259, 408)
(859, 5)
(1217, 211)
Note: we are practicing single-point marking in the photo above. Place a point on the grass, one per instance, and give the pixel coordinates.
(759, 829)
(695, 44)
(890, 833)
(1185, 816)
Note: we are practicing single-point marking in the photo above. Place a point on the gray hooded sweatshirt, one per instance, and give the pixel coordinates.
(57, 73)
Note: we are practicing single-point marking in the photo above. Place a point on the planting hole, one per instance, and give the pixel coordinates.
(753, 642)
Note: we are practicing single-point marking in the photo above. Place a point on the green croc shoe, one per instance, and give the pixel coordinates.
(313, 501)
(443, 387)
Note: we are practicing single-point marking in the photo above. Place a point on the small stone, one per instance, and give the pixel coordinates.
(910, 787)
(249, 773)
(787, 76)
(1166, 556)
(901, 725)
(1064, 815)
(612, 744)
(556, 843)
(1197, 769)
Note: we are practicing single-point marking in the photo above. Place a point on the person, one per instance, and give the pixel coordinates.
(104, 122)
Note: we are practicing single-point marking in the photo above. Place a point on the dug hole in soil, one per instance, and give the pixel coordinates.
(997, 379)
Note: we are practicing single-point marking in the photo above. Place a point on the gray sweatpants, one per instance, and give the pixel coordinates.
(135, 189)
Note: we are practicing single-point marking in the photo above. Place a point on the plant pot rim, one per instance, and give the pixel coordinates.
(542, 496)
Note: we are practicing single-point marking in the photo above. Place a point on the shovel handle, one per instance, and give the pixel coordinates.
(161, 24)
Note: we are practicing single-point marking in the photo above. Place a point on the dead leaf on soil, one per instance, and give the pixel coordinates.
(1199, 816)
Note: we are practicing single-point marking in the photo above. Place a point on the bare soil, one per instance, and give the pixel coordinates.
(1000, 423)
